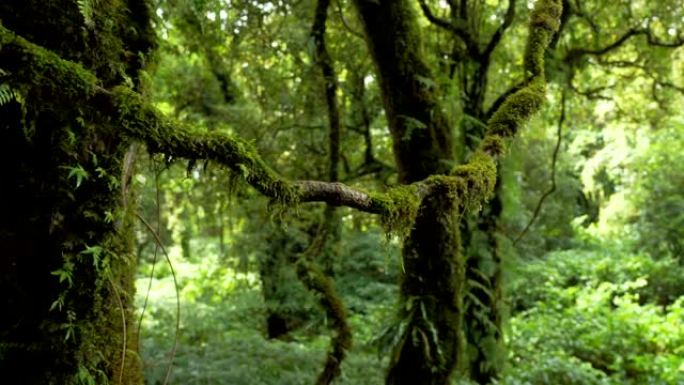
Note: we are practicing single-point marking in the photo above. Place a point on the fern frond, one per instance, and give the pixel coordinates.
(86, 7)
(7, 94)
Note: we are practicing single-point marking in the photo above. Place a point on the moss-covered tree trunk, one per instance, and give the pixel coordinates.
(483, 301)
(64, 220)
(66, 268)
(431, 336)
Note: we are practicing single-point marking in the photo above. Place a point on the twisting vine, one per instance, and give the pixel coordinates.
(317, 282)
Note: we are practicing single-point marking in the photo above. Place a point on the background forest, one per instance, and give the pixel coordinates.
(572, 268)
(594, 283)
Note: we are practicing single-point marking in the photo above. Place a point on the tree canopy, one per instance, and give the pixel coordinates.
(509, 152)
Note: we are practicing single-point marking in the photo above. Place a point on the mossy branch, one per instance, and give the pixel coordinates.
(40, 71)
(37, 69)
(479, 174)
(517, 108)
(49, 77)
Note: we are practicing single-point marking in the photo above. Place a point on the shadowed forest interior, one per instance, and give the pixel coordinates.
(357, 192)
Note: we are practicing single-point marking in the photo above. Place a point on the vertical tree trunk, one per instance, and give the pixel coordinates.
(66, 271)
(431, 344)
(483, 302)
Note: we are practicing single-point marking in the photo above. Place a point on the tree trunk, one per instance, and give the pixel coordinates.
(431, 289)
(483, 302)
(431, 345)
(67, 272)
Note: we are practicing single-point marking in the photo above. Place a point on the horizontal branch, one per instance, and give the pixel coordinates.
(651, 40)
(141, 121)
(39, 72)
(576, 53)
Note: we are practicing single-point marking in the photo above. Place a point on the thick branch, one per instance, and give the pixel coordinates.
(498, 34)
(39, 72)
(35, 70)
(457, 29)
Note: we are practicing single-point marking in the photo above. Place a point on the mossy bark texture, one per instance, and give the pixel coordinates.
(66, 269)
(67, 274)
(431, 343)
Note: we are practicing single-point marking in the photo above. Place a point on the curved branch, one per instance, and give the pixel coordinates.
(498, 34)
(456, 28)
(319, 283)
(577, 53)
(126, 113)
(340, 13)
(518, 107)
(442, 23)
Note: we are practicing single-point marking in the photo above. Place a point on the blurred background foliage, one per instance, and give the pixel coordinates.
(594, 290)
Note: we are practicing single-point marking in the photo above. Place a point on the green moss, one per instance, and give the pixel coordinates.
(59, 77)
(142, 121)
(520, 106)
(37, 70)
(471, 184)
(544, 22)
(493, 145)
(398, 208)
(517, 109)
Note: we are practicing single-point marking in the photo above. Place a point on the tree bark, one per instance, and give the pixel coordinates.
(72, 179)
(67, 271)
(431, 343)
(431, 288)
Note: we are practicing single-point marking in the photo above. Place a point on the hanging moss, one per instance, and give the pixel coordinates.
(141, 121)
(398, 208)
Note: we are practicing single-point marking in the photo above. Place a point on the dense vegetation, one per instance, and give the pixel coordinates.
(342, 191)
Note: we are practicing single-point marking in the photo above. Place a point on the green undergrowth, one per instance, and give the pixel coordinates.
(596, 317)
(593, 316)
(223, 319)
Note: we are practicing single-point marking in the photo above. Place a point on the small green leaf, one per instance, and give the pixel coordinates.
(77, 172)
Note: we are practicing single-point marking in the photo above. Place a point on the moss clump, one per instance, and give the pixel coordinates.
(493, 145)
(398, 209)
(517, 109)
(470, 184)
(42, 74)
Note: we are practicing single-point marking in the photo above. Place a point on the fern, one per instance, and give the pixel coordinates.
(86, 7)
(7, 94)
